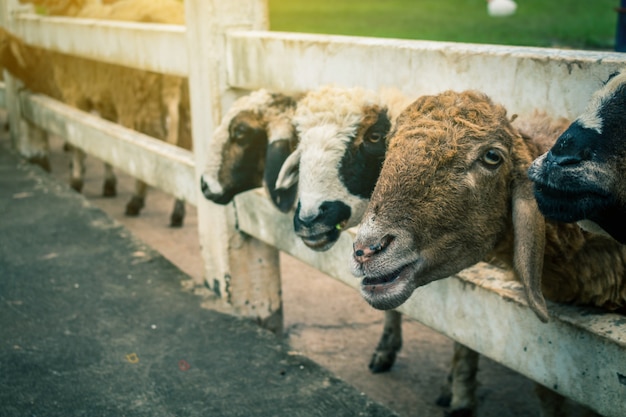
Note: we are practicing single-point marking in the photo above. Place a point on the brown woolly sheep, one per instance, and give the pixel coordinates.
(581, 179)
(453, 191)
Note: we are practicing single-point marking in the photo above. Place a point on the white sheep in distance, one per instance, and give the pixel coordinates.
(249, 146)
(453, 191)
(343, 140)
(583, 176)
(151, 103)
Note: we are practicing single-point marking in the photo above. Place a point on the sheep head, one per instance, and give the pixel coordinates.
(452, 192)
(248, 148)
(342, 146)
(581, 179)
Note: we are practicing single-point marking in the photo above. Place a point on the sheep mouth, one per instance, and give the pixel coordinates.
(380, 284)
(321, 241)
(569, 205)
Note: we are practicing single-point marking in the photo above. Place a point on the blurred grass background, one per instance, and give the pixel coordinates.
(580, 24)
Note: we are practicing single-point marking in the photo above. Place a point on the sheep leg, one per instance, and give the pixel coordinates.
(109, 188)
(33, 144)
(390, 343)
(459, 391)
(178, 213)
(138, 200)
(77, 174)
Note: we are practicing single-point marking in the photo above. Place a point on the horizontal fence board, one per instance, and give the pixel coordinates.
(157, 163)
(523, 79)
(581, 352)
(148, 46)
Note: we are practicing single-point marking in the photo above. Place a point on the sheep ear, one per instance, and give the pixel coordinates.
(289, 173)
(529, 245)
(278, 151)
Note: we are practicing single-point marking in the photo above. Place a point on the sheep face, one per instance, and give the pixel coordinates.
(582, 177)
(443, 200)
(249, 146)
(342, 146)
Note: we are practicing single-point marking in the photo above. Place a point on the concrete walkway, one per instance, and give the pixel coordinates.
(94, 323)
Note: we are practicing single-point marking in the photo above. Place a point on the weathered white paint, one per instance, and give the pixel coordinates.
(580, 352)
(159, 164)
(241, 269)
(149, 46)
(523, 79)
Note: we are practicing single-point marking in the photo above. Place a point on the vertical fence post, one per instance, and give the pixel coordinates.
(30, 141)
(240, 269)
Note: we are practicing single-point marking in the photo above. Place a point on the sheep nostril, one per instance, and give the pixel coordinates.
(386, 241)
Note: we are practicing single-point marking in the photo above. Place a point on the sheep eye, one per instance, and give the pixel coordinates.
(240, 132)
(492, 158)
(374, 137)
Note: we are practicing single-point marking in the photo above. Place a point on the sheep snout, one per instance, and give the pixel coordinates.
(363, 252)
(320, 228)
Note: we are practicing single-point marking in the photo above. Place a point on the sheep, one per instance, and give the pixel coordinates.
(343, 144)
(581, 179)
(249, 146)
(453, 191)
(342, 135)
(152, 103)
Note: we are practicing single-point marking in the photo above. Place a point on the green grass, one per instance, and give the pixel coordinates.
(584, 24)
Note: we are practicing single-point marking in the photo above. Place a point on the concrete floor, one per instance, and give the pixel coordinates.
(324, 319)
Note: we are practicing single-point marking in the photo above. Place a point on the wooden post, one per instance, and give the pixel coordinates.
(240, 269)
(30, 141)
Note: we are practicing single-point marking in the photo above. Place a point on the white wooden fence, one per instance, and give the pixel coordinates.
(225, 49)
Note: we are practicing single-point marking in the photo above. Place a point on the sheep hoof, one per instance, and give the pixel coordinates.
(178, 214)
(76, 184)
(461, 412)
(134, 206)
(109, 189)
(382, 361)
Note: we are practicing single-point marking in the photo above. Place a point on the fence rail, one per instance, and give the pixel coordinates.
(580, 352)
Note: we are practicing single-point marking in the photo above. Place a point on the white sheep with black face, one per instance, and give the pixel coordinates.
(342, 135)
(583, 177)
(249, 146)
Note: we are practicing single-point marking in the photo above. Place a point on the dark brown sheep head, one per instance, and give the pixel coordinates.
(452, 190)
(249, 147)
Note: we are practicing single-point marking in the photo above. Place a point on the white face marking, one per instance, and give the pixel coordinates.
(590, 119)
(326, 120)
(323, 148)
(213, 185)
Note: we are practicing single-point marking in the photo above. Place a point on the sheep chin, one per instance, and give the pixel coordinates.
(390, 291)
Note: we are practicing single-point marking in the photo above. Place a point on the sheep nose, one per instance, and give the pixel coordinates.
(572, 146)
(366, 250)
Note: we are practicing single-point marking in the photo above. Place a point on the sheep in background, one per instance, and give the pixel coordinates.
(453, 191)
(154, 104)
(582, 178)
(249, 146)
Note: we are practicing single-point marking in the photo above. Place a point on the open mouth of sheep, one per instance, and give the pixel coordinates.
(380, 283)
